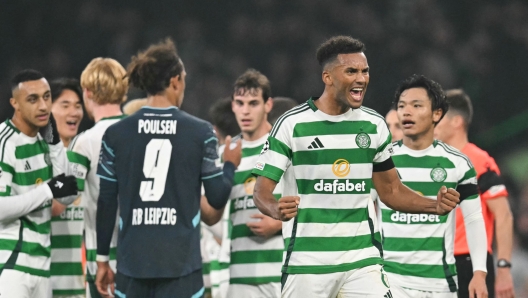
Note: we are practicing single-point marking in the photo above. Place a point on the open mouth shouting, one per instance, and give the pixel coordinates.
(357, 93)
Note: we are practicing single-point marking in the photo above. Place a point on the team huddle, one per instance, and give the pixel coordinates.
(323, 199)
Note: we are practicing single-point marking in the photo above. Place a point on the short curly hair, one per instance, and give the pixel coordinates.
(434, 91)
(107, 79)
(252, 80)
(336, 45)
(152, 69)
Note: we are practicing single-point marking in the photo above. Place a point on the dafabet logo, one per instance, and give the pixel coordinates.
(340, 168)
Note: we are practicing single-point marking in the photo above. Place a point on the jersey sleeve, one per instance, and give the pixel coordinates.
(276, 154)
(384, 147)
(7, 171)
(106, 167)
(490, 183)
(210, 165)
(78, 157)
(467, 181)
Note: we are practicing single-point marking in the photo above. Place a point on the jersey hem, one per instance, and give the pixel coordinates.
(324, 269)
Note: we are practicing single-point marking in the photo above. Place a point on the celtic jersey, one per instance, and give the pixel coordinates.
(330, 160)
(84, 155)
(25, 163)
(254, 259)
(418, 248)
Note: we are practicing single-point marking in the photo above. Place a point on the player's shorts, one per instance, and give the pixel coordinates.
(411, 293)
(268, 290)
(18, 284)
(465, 274)
(188, 286)
(370, 281)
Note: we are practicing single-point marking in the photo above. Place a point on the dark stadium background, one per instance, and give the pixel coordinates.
(481, 46)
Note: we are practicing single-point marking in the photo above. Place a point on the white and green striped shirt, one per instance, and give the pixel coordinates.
(330, 161)
(84, 155)
(418, 248)
(254, 259)
(25, 163)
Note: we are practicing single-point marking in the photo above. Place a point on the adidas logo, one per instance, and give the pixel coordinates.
(316, 144)
(27, 167)
(59, 184)
(388, 295)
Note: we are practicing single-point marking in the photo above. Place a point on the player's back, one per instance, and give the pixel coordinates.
(156, 156)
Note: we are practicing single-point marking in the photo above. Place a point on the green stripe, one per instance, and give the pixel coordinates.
(32, 271)
(80, 184)
(243, 230)
(329, 156)
(7, 168)
(342, 186)
(429, 188)
(75, 157)
(241, 177)
(247, 152)
(455, 152)
(396, 217)
(69, 292)
(332, 268)
(4, 140)
(66, 241)
(256, 256)
(7, 192)
(419, 270)
(30, 248)
(30, 178)
(412, 244)
(66, 268)
(278, 146)
(271, 172)
(255, 280)
(331, 216)
(424, 162)
(30, 150)
(328, 244)
(385, 144)
(471, 173)
(43, 228)
(321, 128)
(92, 253)
(206, 268)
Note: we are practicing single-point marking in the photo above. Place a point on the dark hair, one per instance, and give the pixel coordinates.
(251, 81)
(434, 91)
(223, 118)
(280, 106)
(336, 45)
(59, 85)
(24, 76)
(152, 69)
(460, 104)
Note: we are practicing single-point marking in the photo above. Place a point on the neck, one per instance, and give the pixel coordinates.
(458, 140)
(24, 127)
(328, 104)
(105, 111)
(159, 101)
(66, 141)
(419, 142)
(264, 128)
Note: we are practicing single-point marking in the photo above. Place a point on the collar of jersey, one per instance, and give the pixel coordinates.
(114, 117)
(12, 126)
(163, 109)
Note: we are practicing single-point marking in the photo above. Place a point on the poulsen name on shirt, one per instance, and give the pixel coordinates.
(157, 127)
(153, 216)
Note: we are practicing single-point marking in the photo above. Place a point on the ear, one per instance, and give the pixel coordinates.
(327, 78)
(175, 81)
(457, 121)
(268, 105)
(87, 94)
(437, 114)
(14, 103)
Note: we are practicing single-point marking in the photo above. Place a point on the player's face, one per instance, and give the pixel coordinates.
(394, 125)
(415, 113)
(68, 113)
(350, 78)
(250, 110)
(445, 129)
(32, 102)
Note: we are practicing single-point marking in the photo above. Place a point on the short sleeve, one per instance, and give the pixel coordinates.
(7, 170)
(80, 163)
(276, 154)
(106, 166)
(384, 148)
(467, 180)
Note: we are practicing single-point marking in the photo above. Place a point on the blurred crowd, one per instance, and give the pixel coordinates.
(479, 46)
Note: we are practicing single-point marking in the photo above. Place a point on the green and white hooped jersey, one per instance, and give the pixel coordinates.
(329, 162)
(84, 155)
(418, 248)
(25, 163)
(254, 259)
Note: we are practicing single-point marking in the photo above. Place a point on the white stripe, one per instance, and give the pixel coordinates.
(334, 141)
(415, 257)
(256, 243)
(66, 255)
(255, 270)
(67, 227)
(357, 171)
(334, 201)
(344, 229)
(420, 283)
(424, 174)
(314, 258)
(67, 282)
(41, 263)
(276, 158)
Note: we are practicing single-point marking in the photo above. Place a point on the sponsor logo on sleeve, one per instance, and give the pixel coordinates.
(260, 165)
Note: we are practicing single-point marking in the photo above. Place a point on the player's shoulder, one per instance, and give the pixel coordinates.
(292, 116)
(372, 115)
(9, 139)
(453, 154)
(477, 155)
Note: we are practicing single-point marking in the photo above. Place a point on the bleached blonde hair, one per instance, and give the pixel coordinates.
(106, 79)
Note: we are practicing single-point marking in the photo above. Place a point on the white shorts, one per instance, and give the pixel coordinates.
(269, 290)
(411, 293)
(18, 284)
(370, 281)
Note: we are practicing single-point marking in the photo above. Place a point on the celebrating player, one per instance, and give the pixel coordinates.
(418, 248)
(104, 85)
(337, 151)
(453, 130)
(154, 162)
(27, 166)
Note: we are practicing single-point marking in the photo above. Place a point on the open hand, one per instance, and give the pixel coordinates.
(233, 154)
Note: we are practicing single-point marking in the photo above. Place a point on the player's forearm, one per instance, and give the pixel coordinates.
(106, 215)
(209, 215)
(266, 201)
(13, 207)
(476, 231)
(504, 234)
(217, 189)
